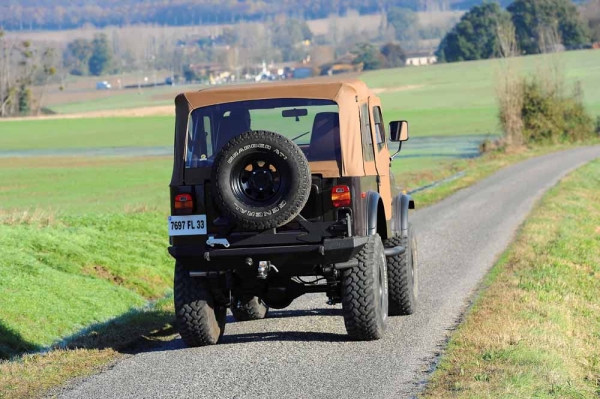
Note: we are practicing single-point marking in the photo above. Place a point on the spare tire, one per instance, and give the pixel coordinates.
(261, 180)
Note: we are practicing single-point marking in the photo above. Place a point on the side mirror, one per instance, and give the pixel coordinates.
(398, 131)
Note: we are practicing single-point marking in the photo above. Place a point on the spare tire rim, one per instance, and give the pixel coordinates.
(256, 179)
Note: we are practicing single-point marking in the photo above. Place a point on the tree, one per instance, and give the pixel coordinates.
(405, 23)
(475, 36)
(101, 57)
(288, 36)
(591, 12)
(77, 56)
(535, 19)
(394, 55)
(368, 55)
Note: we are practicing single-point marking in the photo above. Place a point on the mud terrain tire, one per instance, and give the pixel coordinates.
(245, 309)
(364, 293)
(261, 179)
(200, 321)
(402, 275)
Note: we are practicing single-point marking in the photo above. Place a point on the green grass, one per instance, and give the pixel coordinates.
(459, 98)
(84, 186)
(59, 276)
(86, 133)
(81, 241)
(88, 352)
(533, 332)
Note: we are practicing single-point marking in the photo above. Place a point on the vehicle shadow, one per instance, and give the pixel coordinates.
(283, 314)
(283, 336)
(13, 344)
(168, 339)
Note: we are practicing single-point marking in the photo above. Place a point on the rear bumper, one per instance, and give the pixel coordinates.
(331, 251)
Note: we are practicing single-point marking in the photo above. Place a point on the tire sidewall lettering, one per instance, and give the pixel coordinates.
(249, 147)
(260, 214)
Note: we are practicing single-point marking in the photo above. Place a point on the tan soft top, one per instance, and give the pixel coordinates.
(347, 93)
(317, 88)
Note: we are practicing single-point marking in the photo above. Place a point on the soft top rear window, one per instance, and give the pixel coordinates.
(313, 124)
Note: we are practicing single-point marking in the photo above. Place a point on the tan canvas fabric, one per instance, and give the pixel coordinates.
(382, 160)
(348, 94)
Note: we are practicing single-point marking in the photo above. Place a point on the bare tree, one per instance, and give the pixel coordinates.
(509, 90)
(19, 67)
(48, 70)
(551, 71)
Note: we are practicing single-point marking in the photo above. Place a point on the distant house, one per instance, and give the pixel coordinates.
(420, 58)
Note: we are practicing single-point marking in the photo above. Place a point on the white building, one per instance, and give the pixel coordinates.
(418, 59)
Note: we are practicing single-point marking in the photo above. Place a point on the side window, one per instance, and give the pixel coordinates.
(379, 127)
(208, 131)
(199, 147)
(365, 130)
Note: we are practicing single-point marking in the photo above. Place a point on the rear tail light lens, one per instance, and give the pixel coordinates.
(183, 204)
(340, 196)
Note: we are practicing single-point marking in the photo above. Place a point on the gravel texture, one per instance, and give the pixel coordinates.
(303, 351)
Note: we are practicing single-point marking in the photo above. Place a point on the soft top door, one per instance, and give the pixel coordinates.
(382, 154)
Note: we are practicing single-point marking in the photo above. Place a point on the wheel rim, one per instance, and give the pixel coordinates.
(257, 180)
(383, 293)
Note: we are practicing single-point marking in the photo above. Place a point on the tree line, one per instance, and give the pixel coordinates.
(69, 14)
(534, 26)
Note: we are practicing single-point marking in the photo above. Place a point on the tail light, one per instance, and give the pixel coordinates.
(340, 196)
(183, 204)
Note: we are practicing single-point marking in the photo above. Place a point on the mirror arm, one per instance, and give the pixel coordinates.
(397, 152)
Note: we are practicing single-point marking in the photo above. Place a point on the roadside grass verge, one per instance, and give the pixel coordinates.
(474, 169)
(58, 278)
(534, 330)
(87, 352)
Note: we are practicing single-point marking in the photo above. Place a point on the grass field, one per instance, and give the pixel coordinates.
(84, 186)
(438, 100)
(442, 101)
(86, 133)
(534, 332)
(459, 98)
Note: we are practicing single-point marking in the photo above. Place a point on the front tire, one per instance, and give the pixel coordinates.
(200, 320)
(365, 293)
(247, 309)
(402, 272)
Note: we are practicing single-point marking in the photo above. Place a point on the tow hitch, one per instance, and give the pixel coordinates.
(264, 267)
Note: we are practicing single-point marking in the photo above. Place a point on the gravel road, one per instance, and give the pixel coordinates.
(302, 352)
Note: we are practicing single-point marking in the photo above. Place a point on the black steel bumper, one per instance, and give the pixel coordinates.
(339, 251)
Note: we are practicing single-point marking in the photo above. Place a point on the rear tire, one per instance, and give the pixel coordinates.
(403, 276)
(200, 320)
(365, 293)
(244, 309)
